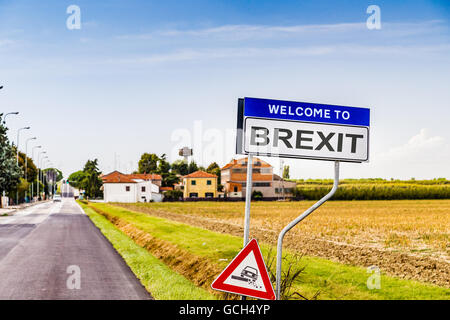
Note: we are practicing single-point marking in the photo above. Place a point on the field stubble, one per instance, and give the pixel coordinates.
(409, 239)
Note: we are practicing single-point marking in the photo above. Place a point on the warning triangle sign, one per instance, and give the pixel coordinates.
(246, 275)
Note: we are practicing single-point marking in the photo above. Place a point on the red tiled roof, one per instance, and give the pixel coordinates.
(145, 176)
(165, 188)
(118, 177)
(240, 162)
(200, 174)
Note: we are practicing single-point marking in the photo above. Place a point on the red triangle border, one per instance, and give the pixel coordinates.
(219, 284)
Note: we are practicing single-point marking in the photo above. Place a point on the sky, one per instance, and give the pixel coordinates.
(153, 76)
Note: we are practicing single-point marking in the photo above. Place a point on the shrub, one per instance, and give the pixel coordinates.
(173, 195)
(257, 195)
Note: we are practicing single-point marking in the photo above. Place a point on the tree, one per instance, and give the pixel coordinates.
(163, 166)
(286, 172)
(214, 168)
(53, 172)
(92, 182)
(32, 170)
(192, 167)
(148, 163)
(180, 167)
(169, 179)
(76, 179)
(10, 172)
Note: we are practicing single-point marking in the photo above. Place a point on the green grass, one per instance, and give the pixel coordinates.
(158, 279)
(333, 280)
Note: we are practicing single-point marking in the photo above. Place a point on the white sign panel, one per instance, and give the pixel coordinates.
(302, 130)
(305, 140)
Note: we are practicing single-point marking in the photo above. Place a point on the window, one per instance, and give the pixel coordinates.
(143, 189)
(193, 195)
(286, 190)
(235, 189)
(261, 184)
(193, 182)
(257, 184)
(208, 182)
(209, 195)
(127, 188)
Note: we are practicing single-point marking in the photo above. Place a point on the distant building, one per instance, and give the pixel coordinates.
(200, 184)
(130, 188)
(234, 179)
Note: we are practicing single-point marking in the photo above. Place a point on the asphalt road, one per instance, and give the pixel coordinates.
(53, 251)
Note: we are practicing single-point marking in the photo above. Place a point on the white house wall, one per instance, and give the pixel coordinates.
(116, 192)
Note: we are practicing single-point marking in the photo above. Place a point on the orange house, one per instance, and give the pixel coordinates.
(234, 179)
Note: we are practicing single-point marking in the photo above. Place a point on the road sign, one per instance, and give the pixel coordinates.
(303, 130)
(246, 275)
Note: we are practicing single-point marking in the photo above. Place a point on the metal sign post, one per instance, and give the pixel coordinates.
(296, 221)
(248, 198)
(299, 130)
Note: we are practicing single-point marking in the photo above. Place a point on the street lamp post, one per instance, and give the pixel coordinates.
(32, 156)
(17, 147)
(39, 171)
(42, 172)
(26, 160)
(9, 113)
(18, 136)
(47, 166)
(52, 178)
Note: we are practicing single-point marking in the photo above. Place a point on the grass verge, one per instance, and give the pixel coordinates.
(162, 282)
(333, 280)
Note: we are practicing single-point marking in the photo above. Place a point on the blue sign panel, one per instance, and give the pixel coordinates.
(307, 112)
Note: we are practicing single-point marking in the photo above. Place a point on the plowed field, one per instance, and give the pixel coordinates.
(409, 239)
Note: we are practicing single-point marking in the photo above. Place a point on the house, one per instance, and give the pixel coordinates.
(200, 184)
(119, 187)
(234, 179)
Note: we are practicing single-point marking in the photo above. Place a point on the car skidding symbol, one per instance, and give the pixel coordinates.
(247, 274)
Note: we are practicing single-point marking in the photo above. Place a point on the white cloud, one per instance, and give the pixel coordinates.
(421, 148)
(423, 156)
(255, 41)
(278, 53)
(221, 53)
(244, 32)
